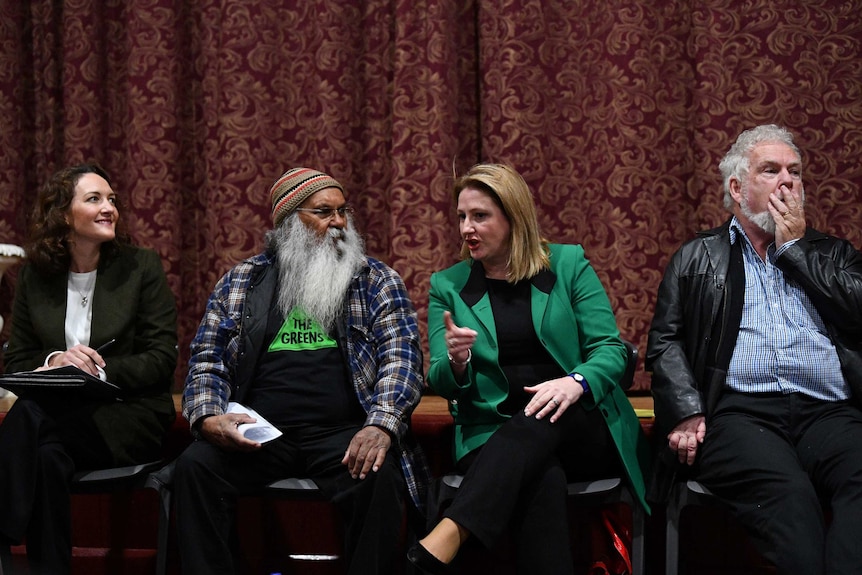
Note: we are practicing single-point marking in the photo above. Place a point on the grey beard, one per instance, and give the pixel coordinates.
(763, 220)
(315, 272)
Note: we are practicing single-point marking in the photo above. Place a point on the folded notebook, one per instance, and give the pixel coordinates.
(59, 380)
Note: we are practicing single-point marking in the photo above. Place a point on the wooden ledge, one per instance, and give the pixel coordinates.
(430, 405)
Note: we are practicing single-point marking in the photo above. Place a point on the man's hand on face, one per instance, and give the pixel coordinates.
(788, 210)
(221, 430)
(367, 451)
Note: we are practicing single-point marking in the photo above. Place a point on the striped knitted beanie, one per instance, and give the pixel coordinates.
(294, 187)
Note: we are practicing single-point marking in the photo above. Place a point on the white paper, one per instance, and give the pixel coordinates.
(261, 430)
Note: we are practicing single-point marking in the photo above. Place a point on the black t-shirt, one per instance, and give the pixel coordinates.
(301, 376)
(523, 358)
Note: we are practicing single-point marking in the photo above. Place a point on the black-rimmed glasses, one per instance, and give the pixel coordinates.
(328, 213)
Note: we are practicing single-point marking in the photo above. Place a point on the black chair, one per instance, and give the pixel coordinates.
(291, 488)
(602, 492)
(160, 481)
(683, 494)
(111, 480)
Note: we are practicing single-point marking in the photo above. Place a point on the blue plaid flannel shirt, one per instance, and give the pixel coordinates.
(383, 350)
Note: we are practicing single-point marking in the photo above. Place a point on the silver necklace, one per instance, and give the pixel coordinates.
(90, 283)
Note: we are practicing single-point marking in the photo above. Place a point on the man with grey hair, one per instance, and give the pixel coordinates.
(321, 341)
(757, 366)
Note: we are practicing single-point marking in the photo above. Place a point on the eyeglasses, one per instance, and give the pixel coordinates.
(328, 213)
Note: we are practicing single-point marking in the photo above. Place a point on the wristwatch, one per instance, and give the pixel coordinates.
(582, 380)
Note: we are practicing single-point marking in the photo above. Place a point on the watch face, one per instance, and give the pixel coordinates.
(581, 380)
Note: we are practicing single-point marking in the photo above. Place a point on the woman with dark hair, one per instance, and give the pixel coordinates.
(525, 347)
(83, 288)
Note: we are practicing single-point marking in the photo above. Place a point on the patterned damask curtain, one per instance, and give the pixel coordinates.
(616, 112)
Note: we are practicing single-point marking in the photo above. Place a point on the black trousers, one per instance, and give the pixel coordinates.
(207, 481)
(774, 459)
(41, 445)
(517, 480)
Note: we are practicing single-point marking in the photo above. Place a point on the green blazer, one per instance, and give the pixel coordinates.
(132, 303)
(573, 319)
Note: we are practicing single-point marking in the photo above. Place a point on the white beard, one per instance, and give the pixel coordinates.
(315, 272)
(762, 220)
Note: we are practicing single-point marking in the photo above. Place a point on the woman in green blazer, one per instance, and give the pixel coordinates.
(83, 289)
(525, 347)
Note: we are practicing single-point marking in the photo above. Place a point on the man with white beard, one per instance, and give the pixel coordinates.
(757, 367)
(322, 341)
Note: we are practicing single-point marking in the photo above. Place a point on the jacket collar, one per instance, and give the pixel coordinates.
(476, 287)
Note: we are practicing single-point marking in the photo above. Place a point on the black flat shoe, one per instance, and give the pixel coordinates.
(425, 562)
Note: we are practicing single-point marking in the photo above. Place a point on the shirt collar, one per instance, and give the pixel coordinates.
(737, 231)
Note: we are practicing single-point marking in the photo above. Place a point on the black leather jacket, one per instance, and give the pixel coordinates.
(692, 298)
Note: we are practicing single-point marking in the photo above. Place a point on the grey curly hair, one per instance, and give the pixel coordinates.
(735, 163)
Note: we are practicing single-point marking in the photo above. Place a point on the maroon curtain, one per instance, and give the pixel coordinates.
(616, 112)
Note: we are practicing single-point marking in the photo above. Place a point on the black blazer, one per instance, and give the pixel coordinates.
(133, 304)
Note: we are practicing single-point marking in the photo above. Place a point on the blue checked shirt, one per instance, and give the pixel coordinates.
(783, 345)
(383, 351)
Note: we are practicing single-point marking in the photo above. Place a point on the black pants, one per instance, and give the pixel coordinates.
(41, 445)
(517, 480)
(773, 459)
(208, 480)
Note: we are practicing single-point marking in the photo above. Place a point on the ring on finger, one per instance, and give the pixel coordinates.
(554, 402)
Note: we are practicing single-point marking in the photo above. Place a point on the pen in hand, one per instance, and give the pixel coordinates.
(100, 370)
(104, 347)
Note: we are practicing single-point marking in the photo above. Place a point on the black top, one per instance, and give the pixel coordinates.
(523, 358)
(301, 376)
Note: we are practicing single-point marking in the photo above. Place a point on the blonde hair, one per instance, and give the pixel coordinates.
(528, 250)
